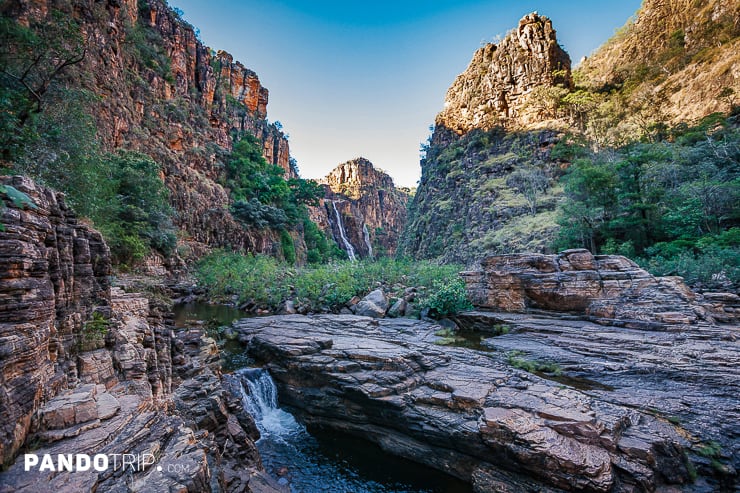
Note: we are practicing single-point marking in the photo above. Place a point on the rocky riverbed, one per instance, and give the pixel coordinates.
(474, 415)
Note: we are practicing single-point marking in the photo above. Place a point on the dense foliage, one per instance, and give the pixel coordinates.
(263, 198)
(263, 282)
(674, 202)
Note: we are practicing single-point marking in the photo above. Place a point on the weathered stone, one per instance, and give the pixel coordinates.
(464, 412)
(53, 272)
(398, 309)
(495, 87)
(608, 288)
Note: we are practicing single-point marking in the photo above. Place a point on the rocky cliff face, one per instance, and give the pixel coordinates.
(54, 272)
(362, 210)
(160, 91)
(495, 87)
(487, 182)
(676, 56)
(89, 369)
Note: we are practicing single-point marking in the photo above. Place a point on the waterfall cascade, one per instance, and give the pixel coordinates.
(261, 403)
(347, 245)
(302, 464)
(366, 235)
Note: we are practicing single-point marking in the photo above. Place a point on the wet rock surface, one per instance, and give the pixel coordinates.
(466, 412)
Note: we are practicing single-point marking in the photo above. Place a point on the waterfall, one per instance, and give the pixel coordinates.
(347, 245)
(366, 235)
(261, 403)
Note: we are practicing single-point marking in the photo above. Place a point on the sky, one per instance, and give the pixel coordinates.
(350, 79)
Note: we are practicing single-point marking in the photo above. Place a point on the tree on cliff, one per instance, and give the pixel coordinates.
(31, 60)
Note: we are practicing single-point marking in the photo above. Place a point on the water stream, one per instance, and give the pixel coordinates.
(325, 461)
(366, 235)
(347, 245)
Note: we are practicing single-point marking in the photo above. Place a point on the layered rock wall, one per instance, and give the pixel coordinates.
(159, 90)
(90, 369)
(53, 273)
(371, 210)
(608, 288)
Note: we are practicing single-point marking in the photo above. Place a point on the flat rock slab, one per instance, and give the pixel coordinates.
(465, 412)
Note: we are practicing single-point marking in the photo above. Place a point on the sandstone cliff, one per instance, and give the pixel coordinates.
(495, 87)
(675, 57)
(89, 369)
(487, 181)
(159, 90)
(363, 207)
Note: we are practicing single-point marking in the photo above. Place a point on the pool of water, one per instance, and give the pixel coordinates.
(326, 461)
(189, 313)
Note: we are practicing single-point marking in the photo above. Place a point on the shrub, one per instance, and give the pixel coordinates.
(266, 283)
(447, 297)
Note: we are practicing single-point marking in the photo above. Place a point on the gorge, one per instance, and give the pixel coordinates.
(553, 309)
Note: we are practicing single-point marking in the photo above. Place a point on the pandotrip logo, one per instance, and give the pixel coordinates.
(84, 462)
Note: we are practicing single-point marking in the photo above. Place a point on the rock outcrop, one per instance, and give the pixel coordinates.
(683, 374)
(676, 58)
(494, 89)
(487, 181)
(89, 369)
(362, 210)
(485, 192)
(53, 274)
(605, 288)
(159, 90)
(465, 412)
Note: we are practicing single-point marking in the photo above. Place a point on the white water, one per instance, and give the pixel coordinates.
(347, 245)
(298, 460)
(261, 403)
(366, 235)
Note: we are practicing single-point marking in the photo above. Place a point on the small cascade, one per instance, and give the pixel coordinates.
(366, 235)
(261, 403)
(302, 464)
(347, 245)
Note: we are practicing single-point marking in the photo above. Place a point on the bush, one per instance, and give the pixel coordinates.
(447, 298)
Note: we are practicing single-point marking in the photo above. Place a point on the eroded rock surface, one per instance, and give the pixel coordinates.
(465, 412)
(607, 288)
(495, 87)
(118, 382)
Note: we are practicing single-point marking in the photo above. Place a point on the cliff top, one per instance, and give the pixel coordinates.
(494, 88)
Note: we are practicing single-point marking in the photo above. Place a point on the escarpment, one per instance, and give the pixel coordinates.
(362, 210)
(89, 369)
(154, 87)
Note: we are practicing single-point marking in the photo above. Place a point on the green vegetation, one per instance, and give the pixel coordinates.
(447, 297)
(263, 198)
(673, 204)
(515, 359)
(263, 282)
(93, 332)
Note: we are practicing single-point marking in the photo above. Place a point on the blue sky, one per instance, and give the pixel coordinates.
(350, 79)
